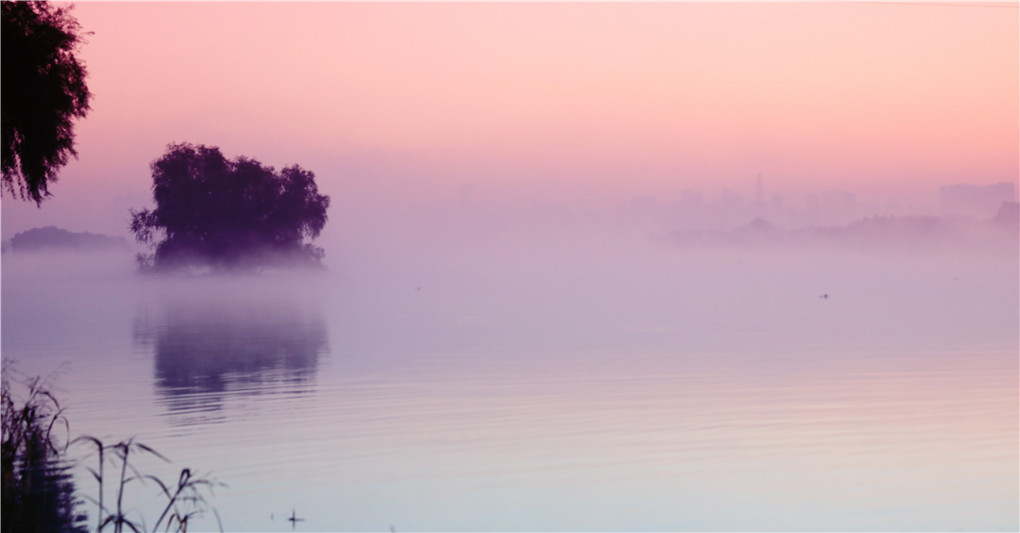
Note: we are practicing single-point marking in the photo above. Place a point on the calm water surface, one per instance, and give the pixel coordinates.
(655, 390)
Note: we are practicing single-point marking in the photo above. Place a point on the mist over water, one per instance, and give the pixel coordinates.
(702, 266)
(492, 376)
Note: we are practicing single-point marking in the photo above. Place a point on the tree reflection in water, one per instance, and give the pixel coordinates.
(207, 352)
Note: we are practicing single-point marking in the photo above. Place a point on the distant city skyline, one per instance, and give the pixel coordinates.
(585, 106)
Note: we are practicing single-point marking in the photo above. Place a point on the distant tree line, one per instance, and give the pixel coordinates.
(54, 238)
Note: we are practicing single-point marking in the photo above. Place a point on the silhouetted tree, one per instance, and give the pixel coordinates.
(43, 91)
(228, 214)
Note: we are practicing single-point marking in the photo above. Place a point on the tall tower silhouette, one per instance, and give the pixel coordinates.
(759, 197)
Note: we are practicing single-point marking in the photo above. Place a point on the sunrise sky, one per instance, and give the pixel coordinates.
(554, 103)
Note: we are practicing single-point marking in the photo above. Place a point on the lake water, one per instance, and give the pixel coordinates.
(587, 388)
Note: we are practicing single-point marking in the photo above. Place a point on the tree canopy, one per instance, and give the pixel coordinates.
(43, 92)
(228, 214)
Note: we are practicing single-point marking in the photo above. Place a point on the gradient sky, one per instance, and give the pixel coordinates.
(548, 101)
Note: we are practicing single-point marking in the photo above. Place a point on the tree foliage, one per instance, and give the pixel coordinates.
(228, 214)
(43, 92)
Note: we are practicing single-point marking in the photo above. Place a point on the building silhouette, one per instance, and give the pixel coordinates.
(980, 201)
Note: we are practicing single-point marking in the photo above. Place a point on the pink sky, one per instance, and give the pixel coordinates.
(574, 99)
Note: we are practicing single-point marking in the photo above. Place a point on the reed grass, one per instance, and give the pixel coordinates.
(184, 500)
(38, 494)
